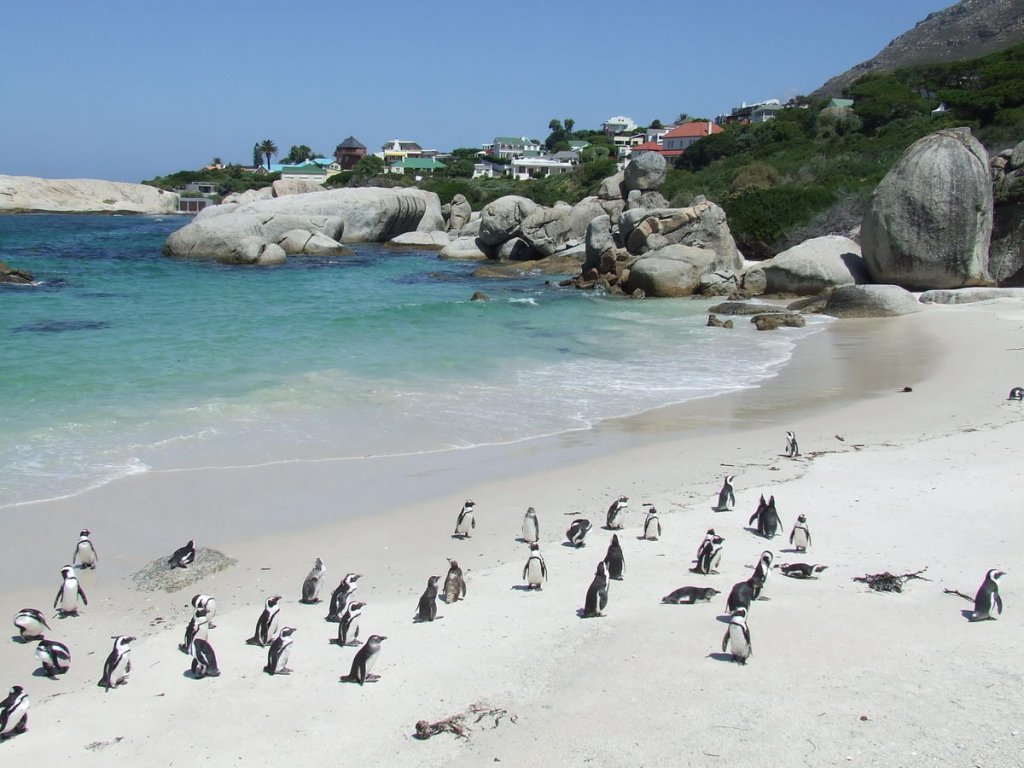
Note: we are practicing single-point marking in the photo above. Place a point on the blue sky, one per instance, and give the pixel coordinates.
(130, 90)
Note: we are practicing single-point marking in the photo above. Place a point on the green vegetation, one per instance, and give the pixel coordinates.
(230, 179)
(268, 149)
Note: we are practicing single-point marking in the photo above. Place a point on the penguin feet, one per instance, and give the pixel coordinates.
(372, 678)
(284, 671)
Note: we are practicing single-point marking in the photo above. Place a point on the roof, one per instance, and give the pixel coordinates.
(307, 169)
(840, 102)
(420, 164)
(648, 146)
(579, 144)
(519, 141)
(620, 120)
(351, 143)
(693, 130)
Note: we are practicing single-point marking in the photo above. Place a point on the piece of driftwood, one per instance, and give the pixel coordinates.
(968, 598)
(456, 724)
(888, 582)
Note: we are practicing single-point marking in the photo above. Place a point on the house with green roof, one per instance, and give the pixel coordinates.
(305, 172)
(417, 165)
(512, 147)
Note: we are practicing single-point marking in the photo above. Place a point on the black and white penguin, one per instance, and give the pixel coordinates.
(311, 586)
(577, 532)
(758, 517)
(341, 595)
(85, 552)
(280, 650)
(743, 593)
(615, 560)
(183, 556)
(118, 664)
(197, 629)
(616, 517)
(988, 602)
(801, 570)
(14, 713)
(426, 609)
(535, 572)
(454, 583)
(597, 594)
(364, 661)
(266, 625)
(710, 554)
(531, 526)
(30, 623)
(204, 660)
(800, 536)
(763, 567)
(55, 657)
(1017, 393)
(726, 497)
(738, 635)
(465, 524)
(767, 518)
(348, 627)
(208, 604)
(70, 592)
(690, 595)
(652, 524)
(792, 448)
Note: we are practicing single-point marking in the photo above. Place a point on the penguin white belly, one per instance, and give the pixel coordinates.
(15, 716)
(282, 660)
(529, 531)
(120, 670)
(716, 558)
(533, 572)
(272, 628)
(800, 538)
(30, 626)
(465, 527)
(352, 632)
(69, 596)
(86, 554)
(738, 642)
(370, 661)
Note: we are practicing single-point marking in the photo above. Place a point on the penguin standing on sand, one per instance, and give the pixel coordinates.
(204, 660)
(763, 567)
(743, 593)
(690, 595)
(70, 592)
(454, 583)
(426, 609)
(535, 572)
(616, 517)
(738, 635)
(208, 604)
(30, 623)
(14, 713)
(615, 560)
(988, 602)
(465, 524)
(197, 629)
(341, 595)
(710, 554)
(758, 517)
(577, 532)
(183, 557)
(311, 586)
(364, 661)
(266, 625)
(531, 526)
(726, 497)
(652, 524)
(280, 650)
(118, 664)
(348, 627)
(767, 518)
(792, 448)
(800, 536)
(597, 594)
(85, 552)
(55, 657)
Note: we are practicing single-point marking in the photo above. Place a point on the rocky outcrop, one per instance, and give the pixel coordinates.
(23, 194)
(344, 215)
(249, 196)
(613, 188)
(814, 266)
(465, 248)
(551, 230)
(435, 240)
(702, 225)
(744, 308)
(283, 187)
(645, 172)
(871, 301)
(674, 270)
(459, 213)
(14, 276)
(774, 320)
(930, 219)
(1006, 252)
(501, 220)
(970, 295)
(300, 242)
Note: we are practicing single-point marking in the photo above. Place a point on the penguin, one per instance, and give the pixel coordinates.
(792, 448)
(739, 636)
(55, 657)
(348, 627)
(197, 629)
(616, 517)
(742, 594)
(726, 497)
(208, 604)
(597, 594)
(266, 625)
(454, 583)
(707, 538)
(183, 556)
(709, 555)
(466, 522)
(652, 524)
(801, 570)
(1017, 393)
(30, 623)
(758, 516)
(341, 595)
(427, 607)
(578, 530)
(535, 572)
(800, 536)
(690, 595)
(767, 518)
(204, 660)
(280, 650)
(70, 592)
(85, 552)
(763, 567)
(364, 661)
(531, 527)
(615, 560)
(14, 713)
(988, 601)
(118, 664)
(311, 586)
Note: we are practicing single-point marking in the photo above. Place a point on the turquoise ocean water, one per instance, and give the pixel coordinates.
(122, 361)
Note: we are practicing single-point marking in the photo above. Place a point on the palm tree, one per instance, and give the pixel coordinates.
(268, 149)
(257, 153)
(569, 124)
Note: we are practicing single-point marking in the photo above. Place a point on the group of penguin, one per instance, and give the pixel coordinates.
(55, 657)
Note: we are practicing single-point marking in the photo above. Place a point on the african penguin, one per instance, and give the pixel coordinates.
(597, 594)
(792, 449)
(341, 595)
(531, 526)
(197, 629)
(578, 531)
(726, 497)
(615, 560)
(280, 650)
(763, 567)
(266, 625)
(348, 627)
(183, 556)
(364, 661)
(118, 664)
(85, 552)
(311, 586)
(426, 609)
(30, 623)
(758, 516)
(690, 595)
(535, 572)
(55, 657)
(616, 517)
(1017, 393)
(208, 604)
(204, 660)
(801, 570)
(767, 518)
(652, 524)
(742, 594)
(454, 583)
(710, 555)
(738, 636)
(988, 602)
(70, 592)
(800, 536)
(465, 524)
(14, 713)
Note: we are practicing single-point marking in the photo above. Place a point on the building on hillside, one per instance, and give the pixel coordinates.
(848, 103)
(567, 156)
(578, 146)
(511, 147)
(675, 142)
(623, 143)
(193, 204)
(761, 112)
(305, 172)
(654, 135)
(647, 146)
(348, 153)
(486, 169)
(396, 150)
(418, 166)
(618, 124)
(538, 167)
(198, 188)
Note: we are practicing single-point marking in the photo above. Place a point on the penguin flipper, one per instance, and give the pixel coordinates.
(463, 587)
(56, 600)
(81, 594)
(997, 603)
(725, 641)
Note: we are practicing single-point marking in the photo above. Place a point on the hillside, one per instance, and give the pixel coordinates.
(969, 29)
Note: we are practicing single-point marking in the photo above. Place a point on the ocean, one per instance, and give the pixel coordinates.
(120, 361)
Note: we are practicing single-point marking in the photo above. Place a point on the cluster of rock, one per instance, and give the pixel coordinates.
(1006, 255)
(14, 276)
(28, 194)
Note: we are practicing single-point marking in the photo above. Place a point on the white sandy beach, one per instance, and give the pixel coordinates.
(840, 674)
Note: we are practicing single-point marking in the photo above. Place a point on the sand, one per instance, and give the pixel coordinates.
(840, 675)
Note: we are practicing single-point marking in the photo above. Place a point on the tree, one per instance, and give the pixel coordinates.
(257, 154)
(216, 161)
(367, 167)
(268, 149)
(569, 124)
(656, 124)
(298, 155)
(555, 126)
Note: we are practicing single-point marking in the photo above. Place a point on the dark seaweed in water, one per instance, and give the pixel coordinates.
(57, 326)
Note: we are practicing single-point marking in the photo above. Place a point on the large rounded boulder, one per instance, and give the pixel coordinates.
(930, 219)
(814, 266)
(674, 270)
(645, 171)
(502, 219)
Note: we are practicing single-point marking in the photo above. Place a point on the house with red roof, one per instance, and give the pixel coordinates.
(675, 142)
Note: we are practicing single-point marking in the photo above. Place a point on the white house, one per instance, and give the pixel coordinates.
(512, 147)
(485, 169)
(537, 167)
(618, 124)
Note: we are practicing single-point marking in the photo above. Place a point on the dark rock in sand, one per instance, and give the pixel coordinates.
(743, 308)
(15, 276)
(161, 575)
(773, 320)
(479, 296)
